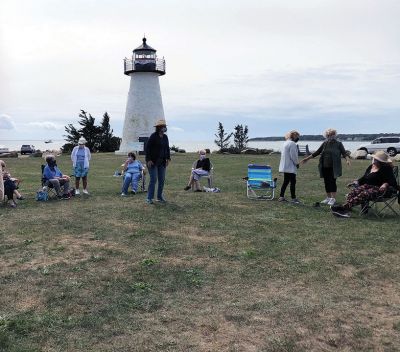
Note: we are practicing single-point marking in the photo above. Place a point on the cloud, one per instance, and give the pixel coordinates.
(51, 126)
(6, 122)
(176, 129)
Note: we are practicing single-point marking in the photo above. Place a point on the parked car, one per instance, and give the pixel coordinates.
(4, 149)
(391, 145)
(27, 149)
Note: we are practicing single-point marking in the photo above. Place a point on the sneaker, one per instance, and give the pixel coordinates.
(13, 205)
(66, 197)
(161, 200)
(295, 201)
(332, 201)
(149, 201)
(341, 213)
(20, 198)
(198, 190)
(123, 194)
(187, 188)
(325, 201)
(282, 199)
(77, 192)
(85, 191)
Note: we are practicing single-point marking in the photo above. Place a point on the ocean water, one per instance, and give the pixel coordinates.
(189, 146)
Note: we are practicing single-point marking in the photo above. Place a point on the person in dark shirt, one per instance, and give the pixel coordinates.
(202, 167)
(377, 181)
(157, 159)
(330, 164)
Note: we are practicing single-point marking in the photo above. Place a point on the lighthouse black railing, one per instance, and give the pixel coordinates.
(144, 65)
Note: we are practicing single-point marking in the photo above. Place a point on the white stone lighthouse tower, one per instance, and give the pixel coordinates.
(144, 106)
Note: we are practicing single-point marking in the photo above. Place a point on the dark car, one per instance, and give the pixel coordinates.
(27, 149)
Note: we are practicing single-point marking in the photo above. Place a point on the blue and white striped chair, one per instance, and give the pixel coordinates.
(260, 184)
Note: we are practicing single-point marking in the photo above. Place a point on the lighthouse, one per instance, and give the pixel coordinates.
(144, 106)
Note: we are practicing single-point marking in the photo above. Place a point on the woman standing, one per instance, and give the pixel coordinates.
(289, 164)
(157, 159)
(330, 163)
(80, 157)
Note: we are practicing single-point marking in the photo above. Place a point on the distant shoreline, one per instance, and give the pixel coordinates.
(362, 137)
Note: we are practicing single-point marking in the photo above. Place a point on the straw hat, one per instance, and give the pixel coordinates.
(381, 156)
(82, 141)
(160, 122)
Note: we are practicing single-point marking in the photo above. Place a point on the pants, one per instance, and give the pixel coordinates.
(156, 172)
(9, 188)
(329, 180)
(197, 173)
(361, 195)
(289, 178)
(57, 183)
(131, 179)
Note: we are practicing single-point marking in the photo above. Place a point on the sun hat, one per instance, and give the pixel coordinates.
(82, 141)
(160, 122)
(381, 156)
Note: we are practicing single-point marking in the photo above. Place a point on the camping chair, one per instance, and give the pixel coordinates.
(387, 200)
(260, 184)
(47, 185)
(210, 177)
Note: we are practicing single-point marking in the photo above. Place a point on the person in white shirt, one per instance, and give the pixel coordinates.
(289, 164)
(80, 157)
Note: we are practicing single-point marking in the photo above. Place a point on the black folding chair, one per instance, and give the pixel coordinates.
(387, 200)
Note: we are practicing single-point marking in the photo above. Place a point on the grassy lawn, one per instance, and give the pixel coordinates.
(205, 272)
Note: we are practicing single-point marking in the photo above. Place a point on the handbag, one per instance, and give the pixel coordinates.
(42, 196)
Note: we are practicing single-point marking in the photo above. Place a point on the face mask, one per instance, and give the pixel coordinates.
(296, 139)
(163, 129)
(202, 156)
(130, 159)
(52, 163)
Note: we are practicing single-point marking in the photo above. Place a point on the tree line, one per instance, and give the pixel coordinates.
(99, 138)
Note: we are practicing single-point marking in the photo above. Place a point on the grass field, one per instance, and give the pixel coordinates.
(205, 272)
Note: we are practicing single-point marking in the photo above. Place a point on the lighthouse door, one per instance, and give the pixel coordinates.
(144, 141)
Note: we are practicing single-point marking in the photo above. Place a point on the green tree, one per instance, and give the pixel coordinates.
(99, 138)
(240, 137)
(223, 138)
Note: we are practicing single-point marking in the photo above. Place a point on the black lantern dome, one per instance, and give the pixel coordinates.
(144, 59)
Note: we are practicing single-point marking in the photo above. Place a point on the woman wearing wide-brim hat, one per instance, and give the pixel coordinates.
(80, 157)
(157, 159)
(377, 180)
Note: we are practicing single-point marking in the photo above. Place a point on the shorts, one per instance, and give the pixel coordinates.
(80, 171)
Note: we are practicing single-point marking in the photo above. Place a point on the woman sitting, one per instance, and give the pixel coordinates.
(133, 172)
(202, 168)
(54, 178)
(376, 182)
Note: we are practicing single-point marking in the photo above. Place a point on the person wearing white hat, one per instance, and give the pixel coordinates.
(80, 157)
(377, 180)
(157, 159)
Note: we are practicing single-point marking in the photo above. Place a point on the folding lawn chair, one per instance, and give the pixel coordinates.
(142, 181)
(260, 184)
(387, 200)
(209, 177)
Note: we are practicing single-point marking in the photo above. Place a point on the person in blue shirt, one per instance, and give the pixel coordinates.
(80, 157)
(53, 177)
(133, 172)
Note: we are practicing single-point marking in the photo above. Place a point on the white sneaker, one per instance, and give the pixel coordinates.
(124, 195)
(325, 201)
(332, 201)
(77, 192)
(85, 191)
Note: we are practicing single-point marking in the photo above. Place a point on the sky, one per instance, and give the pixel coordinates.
(274, 65)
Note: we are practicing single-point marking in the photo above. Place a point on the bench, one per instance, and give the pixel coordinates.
(303, 150)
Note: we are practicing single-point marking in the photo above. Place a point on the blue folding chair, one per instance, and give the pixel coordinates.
(260, 184)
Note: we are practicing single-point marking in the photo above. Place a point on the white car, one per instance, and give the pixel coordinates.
(4, 149)
(391, 145)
